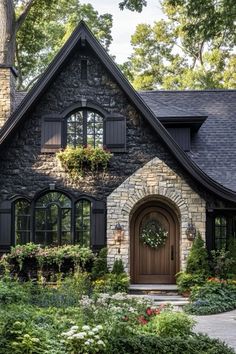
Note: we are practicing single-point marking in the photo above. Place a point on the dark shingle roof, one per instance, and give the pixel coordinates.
(213, 147)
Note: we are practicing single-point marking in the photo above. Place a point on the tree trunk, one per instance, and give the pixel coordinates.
(7, 32)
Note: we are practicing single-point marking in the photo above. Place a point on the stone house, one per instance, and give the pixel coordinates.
(173, 169)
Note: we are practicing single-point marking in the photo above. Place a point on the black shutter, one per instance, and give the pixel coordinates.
(51, 135)
(99, 224)
(5, 226)
(115, 133)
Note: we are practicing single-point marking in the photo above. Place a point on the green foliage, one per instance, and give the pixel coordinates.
(12, 292)
(112, 283)
(143, 344)
(214, 296)
(232, 255)
(100, 264)
(51, 258)
(186, 281)
(192, 48)
(221, 263)
(197, 262)
(46, 28)
(118, 267)
(77, 160)
(133, 5)
(171, 324)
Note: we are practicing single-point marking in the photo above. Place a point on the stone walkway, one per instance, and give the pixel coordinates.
(222, 326)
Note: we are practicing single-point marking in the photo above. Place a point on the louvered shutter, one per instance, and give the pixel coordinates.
(115, 133)
(99, 224)
(51, 136)
(5, 226)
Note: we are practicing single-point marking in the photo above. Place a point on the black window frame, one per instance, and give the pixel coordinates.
(230, 216)
(84, 138)
(74, 201)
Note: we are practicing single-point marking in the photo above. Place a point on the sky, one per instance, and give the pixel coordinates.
(124, 23)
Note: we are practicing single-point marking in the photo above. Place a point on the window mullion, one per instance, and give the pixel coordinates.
(85, 122)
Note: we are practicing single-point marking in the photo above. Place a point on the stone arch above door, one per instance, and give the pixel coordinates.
(154, 180)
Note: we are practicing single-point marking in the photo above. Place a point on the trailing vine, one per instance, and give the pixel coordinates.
(76, 160)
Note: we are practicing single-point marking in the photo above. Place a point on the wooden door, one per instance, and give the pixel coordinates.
(154, 265)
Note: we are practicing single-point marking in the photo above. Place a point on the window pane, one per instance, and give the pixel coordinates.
(22, 221)
(83, 222)
(75, 129)
(53, 219)
(94, 129)
(220, 232)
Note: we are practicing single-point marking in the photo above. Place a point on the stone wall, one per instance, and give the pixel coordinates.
(7, 93)
(25, 170)
(158, 180)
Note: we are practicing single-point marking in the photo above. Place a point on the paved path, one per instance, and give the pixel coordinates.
(222, 326)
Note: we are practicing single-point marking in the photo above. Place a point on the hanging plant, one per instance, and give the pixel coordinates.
(153, 234)
(75, 160)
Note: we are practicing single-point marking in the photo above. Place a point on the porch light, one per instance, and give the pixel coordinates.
(119, 233)
(191, 231)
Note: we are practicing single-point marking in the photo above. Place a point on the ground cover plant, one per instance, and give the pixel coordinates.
(77, 321)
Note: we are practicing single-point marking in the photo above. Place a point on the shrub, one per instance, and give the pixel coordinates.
(100, 268)
(12, 292)
(118, 267)
(215, 296)
(186, 281)
(171, 324)
(197, 262)
(112, 283)
(221, 263)
(143, 344)
(232, 254)
(28, 260)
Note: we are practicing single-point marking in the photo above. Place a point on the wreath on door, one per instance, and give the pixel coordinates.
(153, 234)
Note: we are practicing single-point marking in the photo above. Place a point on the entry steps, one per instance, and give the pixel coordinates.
(160, 294)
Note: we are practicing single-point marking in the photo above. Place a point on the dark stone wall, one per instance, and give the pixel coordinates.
(26, 171)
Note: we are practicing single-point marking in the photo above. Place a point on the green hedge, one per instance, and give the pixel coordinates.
(145, 344)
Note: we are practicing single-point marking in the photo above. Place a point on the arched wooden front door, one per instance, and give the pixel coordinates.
(154, 265)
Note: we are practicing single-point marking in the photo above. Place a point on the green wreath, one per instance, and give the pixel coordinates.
(153, 234)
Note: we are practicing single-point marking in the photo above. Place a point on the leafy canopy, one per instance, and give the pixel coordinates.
(46, 28)
(192, 48)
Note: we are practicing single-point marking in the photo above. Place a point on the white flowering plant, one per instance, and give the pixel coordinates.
(84, 340)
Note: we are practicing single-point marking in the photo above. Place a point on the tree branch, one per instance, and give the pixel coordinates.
(32, 82)
(24, 13)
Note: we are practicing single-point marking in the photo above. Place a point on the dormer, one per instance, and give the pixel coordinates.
(182, 129)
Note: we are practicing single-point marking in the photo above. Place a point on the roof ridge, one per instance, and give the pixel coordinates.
(186, 91)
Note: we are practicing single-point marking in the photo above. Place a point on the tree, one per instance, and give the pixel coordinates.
(38, 29)
(192, 48)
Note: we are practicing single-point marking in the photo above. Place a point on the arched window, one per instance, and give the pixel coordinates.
(83, 222)
(85, 127)
(22, 221)
(53, 219)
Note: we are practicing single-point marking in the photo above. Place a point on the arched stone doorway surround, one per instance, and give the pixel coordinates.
(154, 180)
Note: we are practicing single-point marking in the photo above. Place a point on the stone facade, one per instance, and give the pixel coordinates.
(7, 93)
(157, 180)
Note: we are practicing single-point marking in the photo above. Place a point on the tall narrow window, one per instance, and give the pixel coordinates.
(83, 222)
(84, 69)
(85, 127)
(220, 232)
(53, 219)
(22, 221)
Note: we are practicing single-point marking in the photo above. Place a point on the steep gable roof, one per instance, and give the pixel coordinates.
(82, 33)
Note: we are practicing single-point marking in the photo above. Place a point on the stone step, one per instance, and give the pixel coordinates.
(154, 289)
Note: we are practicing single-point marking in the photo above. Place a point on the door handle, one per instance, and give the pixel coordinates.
(172, 252)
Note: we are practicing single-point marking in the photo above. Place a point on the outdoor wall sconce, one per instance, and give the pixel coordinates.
(119, 233)
(191, 231)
